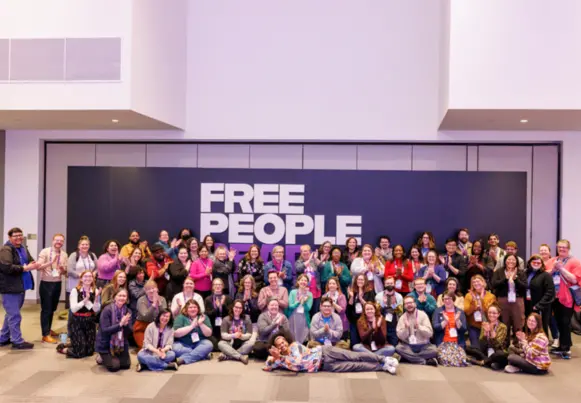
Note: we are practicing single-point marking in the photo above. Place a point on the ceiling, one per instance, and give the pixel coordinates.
(78, 120)
(507, 120)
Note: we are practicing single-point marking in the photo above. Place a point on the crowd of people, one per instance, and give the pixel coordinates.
(339, 309)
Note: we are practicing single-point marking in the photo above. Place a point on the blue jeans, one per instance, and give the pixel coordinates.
(198, 352)
(386, 351)
(474, 336)
(153, 362)
(11, 328)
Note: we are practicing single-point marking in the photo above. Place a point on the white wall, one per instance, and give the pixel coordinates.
(158, 60)
(326, 70)
(517, 54)
(34, 19)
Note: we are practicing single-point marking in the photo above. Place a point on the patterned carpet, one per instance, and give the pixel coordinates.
(43, 376)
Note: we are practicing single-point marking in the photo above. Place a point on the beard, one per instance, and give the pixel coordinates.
(134, 242)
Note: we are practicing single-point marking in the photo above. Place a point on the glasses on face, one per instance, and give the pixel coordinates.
(17, 236)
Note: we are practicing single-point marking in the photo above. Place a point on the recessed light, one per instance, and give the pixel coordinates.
(524, 121)
(115, 120)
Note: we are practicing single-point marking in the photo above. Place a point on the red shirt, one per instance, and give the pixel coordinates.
(407, 274)
(153, 267)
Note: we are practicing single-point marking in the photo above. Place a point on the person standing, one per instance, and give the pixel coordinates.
(464, 244)
(566, 272)
(540, 291)
(53, 264)
(16, 265)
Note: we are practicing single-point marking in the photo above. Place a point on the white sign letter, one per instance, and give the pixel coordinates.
(260, 232)
(213, 223)
(239, 229)
(297, 197)
(210, 192)
(260, 198)
(244, 196)
(348, 226)
(293, 229)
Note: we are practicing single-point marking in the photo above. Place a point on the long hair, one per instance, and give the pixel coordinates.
(161, 312)
(80, 284)
(115, 280)
(367, 286)
(336, 280)
(531, 334)
(212, 248)
(431, 243)
(253, 292)
(374, 259)
(231, 310)
(247, 257)
(362, 321)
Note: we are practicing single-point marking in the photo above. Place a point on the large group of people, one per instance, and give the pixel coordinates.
(351, 308)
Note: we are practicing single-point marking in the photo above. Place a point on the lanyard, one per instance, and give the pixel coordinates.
(58, 258)
(85, 262)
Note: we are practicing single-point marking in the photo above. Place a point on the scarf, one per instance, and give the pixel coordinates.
(26, 276)
(277, 266)
(215, 299)
(160, 341)
(117, 341)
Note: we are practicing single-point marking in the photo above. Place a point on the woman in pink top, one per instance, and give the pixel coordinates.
(108, 263)
(201, 272)
(566, 272)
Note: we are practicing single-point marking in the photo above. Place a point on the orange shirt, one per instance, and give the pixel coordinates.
(451, 318)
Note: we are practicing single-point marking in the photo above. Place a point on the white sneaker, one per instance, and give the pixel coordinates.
(390, 365)
(555, 343)
(511, 369)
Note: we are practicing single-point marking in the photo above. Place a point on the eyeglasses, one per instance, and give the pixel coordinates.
(17, 236)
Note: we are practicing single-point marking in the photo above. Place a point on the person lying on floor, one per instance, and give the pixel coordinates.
(286, 354)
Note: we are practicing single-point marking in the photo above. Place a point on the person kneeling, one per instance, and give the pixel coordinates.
(156, 354)
(414, 331)
(191, 332)
(535, 345)
(297, 358)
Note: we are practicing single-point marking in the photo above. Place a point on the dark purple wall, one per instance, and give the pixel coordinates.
(106, 202)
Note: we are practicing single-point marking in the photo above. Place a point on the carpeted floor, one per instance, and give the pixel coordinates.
(42, 375)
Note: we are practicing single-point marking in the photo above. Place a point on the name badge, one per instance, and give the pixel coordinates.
(279, 281)
(301, 309)
(446, 275)
(490, 351)
(389, 316)
(369, 276)
(413, 339)
(166, 275)
(477, 316)
(428, 288)
(453, 332)
(120, 335)
(358, 307)
(398, 284)
(328, 342)
(195, 337)
(218, 321)
(511, 296)
(55, 273)
(557, 280)
(373, 346)
(528, 295)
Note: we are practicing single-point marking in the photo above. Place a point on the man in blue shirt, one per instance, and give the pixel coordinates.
(16, 265)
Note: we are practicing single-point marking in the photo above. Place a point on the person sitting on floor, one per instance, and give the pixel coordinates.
(191, 332)
(237, 341)
(156, 354)
(449, 324)
(327, 327)
(414, 331)
(286, 354)
(269, 322)
(535, 345)
(372, 329)
(490, 350)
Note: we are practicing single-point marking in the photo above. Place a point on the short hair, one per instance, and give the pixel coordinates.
(271, 299)
(495, 306)
(156, 248)
(120, 290)
(14, 230)
(493, 234)
(109, 242)
(305, 246)
(276, 248)
(326, 299)
(281, 333)
(150, 283)
(449, 294)
(511, 244)
(545, 245)
(58, 234)
(189, 302)
(388, 278)
(451, 240)
(383, 237)
(409, 297)
(419, 279)
(462, 230)
(161, 312)
(558, 242)
(299, 278)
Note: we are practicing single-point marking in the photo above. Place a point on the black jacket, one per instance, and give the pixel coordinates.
(11, 270)
(459, 262)
(499, 284)
(542, 291)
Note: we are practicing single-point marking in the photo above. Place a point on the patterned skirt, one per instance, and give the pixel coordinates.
(451, 355)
